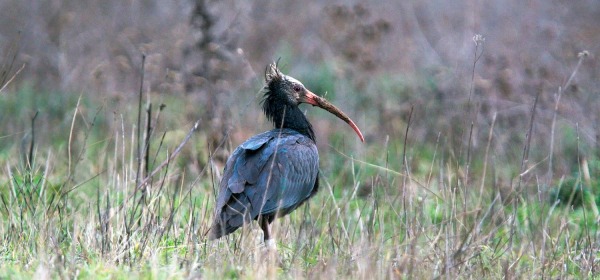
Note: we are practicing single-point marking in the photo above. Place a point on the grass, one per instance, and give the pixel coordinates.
(394, 209)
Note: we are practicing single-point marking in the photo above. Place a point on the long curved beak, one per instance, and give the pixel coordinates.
(315, 100)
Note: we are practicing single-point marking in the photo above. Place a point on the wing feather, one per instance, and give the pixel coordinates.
(271, 173)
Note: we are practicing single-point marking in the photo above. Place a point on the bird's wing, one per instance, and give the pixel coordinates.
(269, 172)
(234, 177)
(288, 179)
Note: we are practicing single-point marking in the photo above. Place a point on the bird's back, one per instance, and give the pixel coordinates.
(270, 174)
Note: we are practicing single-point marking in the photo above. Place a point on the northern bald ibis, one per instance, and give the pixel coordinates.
(273, 173)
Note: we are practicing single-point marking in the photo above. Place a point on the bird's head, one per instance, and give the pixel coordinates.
(283, 89)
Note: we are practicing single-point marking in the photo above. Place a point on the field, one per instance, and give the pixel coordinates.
(481, 121)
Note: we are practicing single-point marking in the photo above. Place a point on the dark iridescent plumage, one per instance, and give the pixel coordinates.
(273, 173)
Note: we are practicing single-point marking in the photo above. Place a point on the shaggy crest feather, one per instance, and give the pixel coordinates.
(272, 73)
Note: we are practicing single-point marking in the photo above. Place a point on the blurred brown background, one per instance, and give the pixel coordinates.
(375, 60)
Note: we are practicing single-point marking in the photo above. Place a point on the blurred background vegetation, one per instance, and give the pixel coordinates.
(399, 68)
(375, 60)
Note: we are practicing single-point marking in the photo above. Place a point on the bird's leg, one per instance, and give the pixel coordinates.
(269, 253)
(266, 228)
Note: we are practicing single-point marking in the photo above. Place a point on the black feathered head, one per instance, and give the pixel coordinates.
(283, 94)
(283, 88)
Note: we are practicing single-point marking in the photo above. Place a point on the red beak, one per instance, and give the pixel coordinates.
(315, 100)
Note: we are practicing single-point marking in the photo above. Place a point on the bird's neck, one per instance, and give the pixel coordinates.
(286, 116)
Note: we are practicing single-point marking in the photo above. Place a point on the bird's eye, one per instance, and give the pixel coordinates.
(297, 88)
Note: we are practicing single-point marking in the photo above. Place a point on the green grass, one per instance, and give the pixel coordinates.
(75, 211)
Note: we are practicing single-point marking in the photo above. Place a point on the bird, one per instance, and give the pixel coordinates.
(273, 173)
